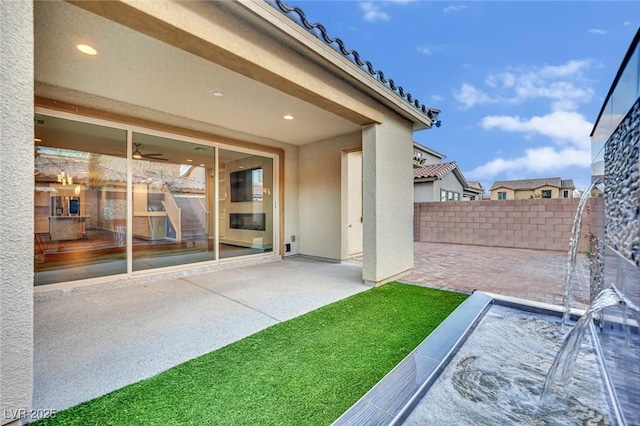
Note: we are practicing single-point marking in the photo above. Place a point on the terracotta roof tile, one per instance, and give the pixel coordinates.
(434, 170)
(319, 31)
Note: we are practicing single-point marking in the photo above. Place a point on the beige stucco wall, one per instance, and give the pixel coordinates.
(523, 195)
(528, 194)
(16, 208)
(387, 199)
(537, 193)
(319, 196)
(424, 192)
(510, 193)
(430, 159)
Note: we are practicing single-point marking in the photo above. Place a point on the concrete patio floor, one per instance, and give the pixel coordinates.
(89, 344)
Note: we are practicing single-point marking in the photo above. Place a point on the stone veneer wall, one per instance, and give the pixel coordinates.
(619, 257)
(622, 188)
(622, 207)
(540, 224)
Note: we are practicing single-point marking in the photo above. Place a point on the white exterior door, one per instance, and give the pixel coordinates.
(354, 203)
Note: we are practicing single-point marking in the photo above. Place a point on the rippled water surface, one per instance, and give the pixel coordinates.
(497, 378)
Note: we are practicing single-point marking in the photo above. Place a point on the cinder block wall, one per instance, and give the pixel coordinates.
(539, 224)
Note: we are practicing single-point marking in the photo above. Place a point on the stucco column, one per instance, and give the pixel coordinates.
(16, 209)
(387, 151)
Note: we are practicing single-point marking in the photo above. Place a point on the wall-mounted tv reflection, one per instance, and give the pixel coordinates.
(246, 185)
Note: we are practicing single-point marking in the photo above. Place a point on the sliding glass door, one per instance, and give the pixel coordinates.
(172, 202)
(80, 200)
(245, 205)
(116, 201)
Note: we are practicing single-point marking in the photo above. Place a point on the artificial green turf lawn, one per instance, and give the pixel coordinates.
(305, 371)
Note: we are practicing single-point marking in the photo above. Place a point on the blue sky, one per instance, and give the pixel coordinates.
(520, 84)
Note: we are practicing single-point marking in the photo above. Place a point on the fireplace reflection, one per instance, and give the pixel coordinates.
(249, 221)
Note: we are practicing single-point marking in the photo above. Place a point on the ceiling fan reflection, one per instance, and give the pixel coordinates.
(154, 156)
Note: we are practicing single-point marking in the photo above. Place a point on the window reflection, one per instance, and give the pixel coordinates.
(172, 201)
(81, 197)
(79, 201)
(245, 204)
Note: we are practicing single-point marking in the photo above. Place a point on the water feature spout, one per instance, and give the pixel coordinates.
(564, 362)
(574, 242)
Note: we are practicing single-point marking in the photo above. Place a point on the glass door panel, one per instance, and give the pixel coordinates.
(80, 200)
(245, 204)
(172, 202)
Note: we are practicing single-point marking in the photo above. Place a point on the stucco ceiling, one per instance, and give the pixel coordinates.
(135, 69)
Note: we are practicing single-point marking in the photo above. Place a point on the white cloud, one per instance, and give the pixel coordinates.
(564, 85)
(570, 68)
(627, 23)
(597, 31)
(504, 80)
(429, 50)
(454, 8)
(469, 96)
(437, 98)
(560, 126)
(372, 12)
(569, 130)
(535, 160)
(565, 95)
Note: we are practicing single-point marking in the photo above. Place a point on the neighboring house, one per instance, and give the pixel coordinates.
(434, 180)
(439, 182)
(423, 156)
(194, 134)
(475, 191)
(532, 188)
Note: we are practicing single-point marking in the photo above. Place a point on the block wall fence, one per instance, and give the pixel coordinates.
(539, 224)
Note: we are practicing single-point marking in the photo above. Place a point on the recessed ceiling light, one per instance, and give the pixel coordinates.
(288, 117)
(86, 49)
(201, 164)
(241, 167)
(37, 140)
(217, 93)
(189, 160)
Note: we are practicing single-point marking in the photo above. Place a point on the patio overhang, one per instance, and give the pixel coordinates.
(193, 49)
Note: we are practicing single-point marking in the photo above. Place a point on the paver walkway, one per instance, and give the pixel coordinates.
(526, 274)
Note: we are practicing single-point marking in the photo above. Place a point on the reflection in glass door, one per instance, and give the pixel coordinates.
(87, 218)
(80, 200)
(245, 204)
(172, 202)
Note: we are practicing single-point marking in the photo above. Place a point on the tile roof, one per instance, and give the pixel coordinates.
(47, 169)
(434, 170)
(475, 184)
(319, 31)
(528, 184)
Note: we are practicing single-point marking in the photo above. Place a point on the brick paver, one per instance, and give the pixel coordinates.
(526, 274)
